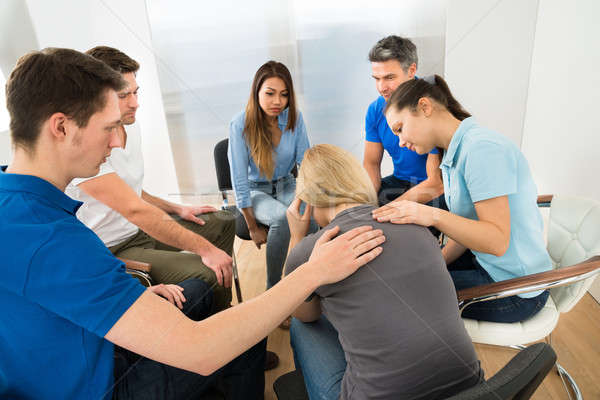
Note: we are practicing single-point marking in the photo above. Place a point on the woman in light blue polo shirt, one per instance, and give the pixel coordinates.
(266, 141)
(494, 227)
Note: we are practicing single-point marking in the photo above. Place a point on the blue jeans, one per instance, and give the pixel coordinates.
(137, 377)
(270, 202)
(466, 272)
(320, 357)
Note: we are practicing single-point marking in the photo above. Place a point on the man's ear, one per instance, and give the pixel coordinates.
(57, 124)
(412, 70)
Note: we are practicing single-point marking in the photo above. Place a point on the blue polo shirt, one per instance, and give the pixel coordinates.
(287, 154)
(61, 291)
(481, 164)
(408, 165)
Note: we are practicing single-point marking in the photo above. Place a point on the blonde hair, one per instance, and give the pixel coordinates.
(329, 176)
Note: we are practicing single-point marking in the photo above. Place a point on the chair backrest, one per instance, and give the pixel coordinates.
(573, 237)
(518, 380)
(222, 165)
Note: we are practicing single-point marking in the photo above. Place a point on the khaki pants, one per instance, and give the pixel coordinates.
(169, 265)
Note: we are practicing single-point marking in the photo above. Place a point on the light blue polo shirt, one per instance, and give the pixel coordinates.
(481, 164)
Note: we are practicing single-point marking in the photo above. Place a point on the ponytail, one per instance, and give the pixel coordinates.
(434, 87)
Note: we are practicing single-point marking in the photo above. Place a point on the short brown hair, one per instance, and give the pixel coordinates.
(115, 59)
(55, 80)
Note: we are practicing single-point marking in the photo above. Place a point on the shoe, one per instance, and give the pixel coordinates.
(286, 323)
(271, 360)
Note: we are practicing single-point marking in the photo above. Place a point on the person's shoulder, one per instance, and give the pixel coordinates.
(239, 118)
(301, 252)
(376, 105)
(479, 137)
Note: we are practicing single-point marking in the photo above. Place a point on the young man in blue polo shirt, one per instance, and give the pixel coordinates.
(67, 299)
(416, 177)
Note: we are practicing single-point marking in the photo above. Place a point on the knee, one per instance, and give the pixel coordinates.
(227, 220)
(279, 220)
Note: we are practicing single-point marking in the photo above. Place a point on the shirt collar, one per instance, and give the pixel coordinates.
(282, 118)
(450, 153)
(38, 186)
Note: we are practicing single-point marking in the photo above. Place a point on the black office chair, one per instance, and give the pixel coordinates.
(224, 182)
(518, 380)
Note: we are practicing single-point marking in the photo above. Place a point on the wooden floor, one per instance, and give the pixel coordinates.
(576, 339)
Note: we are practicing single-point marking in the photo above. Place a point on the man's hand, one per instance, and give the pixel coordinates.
(339, 258)
(407, 212)
(190, 213)
(173, 293)
(298, 223)
(217, 260)
(258, 234)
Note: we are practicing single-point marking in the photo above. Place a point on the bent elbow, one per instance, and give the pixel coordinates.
(499, 251)
(206, 368)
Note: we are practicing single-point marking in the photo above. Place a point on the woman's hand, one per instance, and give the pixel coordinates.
(407, 212)
(173, 293)
(337, 259)
(298, 223)
(258, 234)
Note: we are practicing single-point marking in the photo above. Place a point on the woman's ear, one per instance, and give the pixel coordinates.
(426, 106)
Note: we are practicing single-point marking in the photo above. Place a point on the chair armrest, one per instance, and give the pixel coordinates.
(544, 200)
(136, 265)
(529, 283)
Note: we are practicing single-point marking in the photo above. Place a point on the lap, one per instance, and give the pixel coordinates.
(267, 209)
(466, 273)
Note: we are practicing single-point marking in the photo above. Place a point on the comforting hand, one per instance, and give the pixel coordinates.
(221, 263)
(258, 235)
(173, 293)
(190, 213)
(339, 258)
(407, 212)
(298, 223)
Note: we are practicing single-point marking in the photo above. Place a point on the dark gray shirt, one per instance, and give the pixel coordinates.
(397, 317)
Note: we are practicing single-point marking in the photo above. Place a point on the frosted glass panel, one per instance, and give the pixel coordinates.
(208, 54)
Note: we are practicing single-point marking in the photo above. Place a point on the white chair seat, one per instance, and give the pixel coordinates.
(503, 334)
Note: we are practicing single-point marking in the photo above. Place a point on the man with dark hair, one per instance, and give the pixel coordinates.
(418, 178)
(136, 225)
(69, 298)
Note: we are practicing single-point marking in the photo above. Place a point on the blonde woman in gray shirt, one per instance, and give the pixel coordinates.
(392, 329)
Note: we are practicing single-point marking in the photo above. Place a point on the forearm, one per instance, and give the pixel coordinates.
(166, 206)
(424, 192)
(219, 339)
(248, 214)
(476, 235)
(374, 172)
(452, 250)
(158, 224)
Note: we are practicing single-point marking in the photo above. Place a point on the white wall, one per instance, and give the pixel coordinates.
(209, 52)
(562, 124)
(488, 55)
(16, 38)
(528, 69)
(124, 25)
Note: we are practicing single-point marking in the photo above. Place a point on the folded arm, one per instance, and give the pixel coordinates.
(429, 189)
